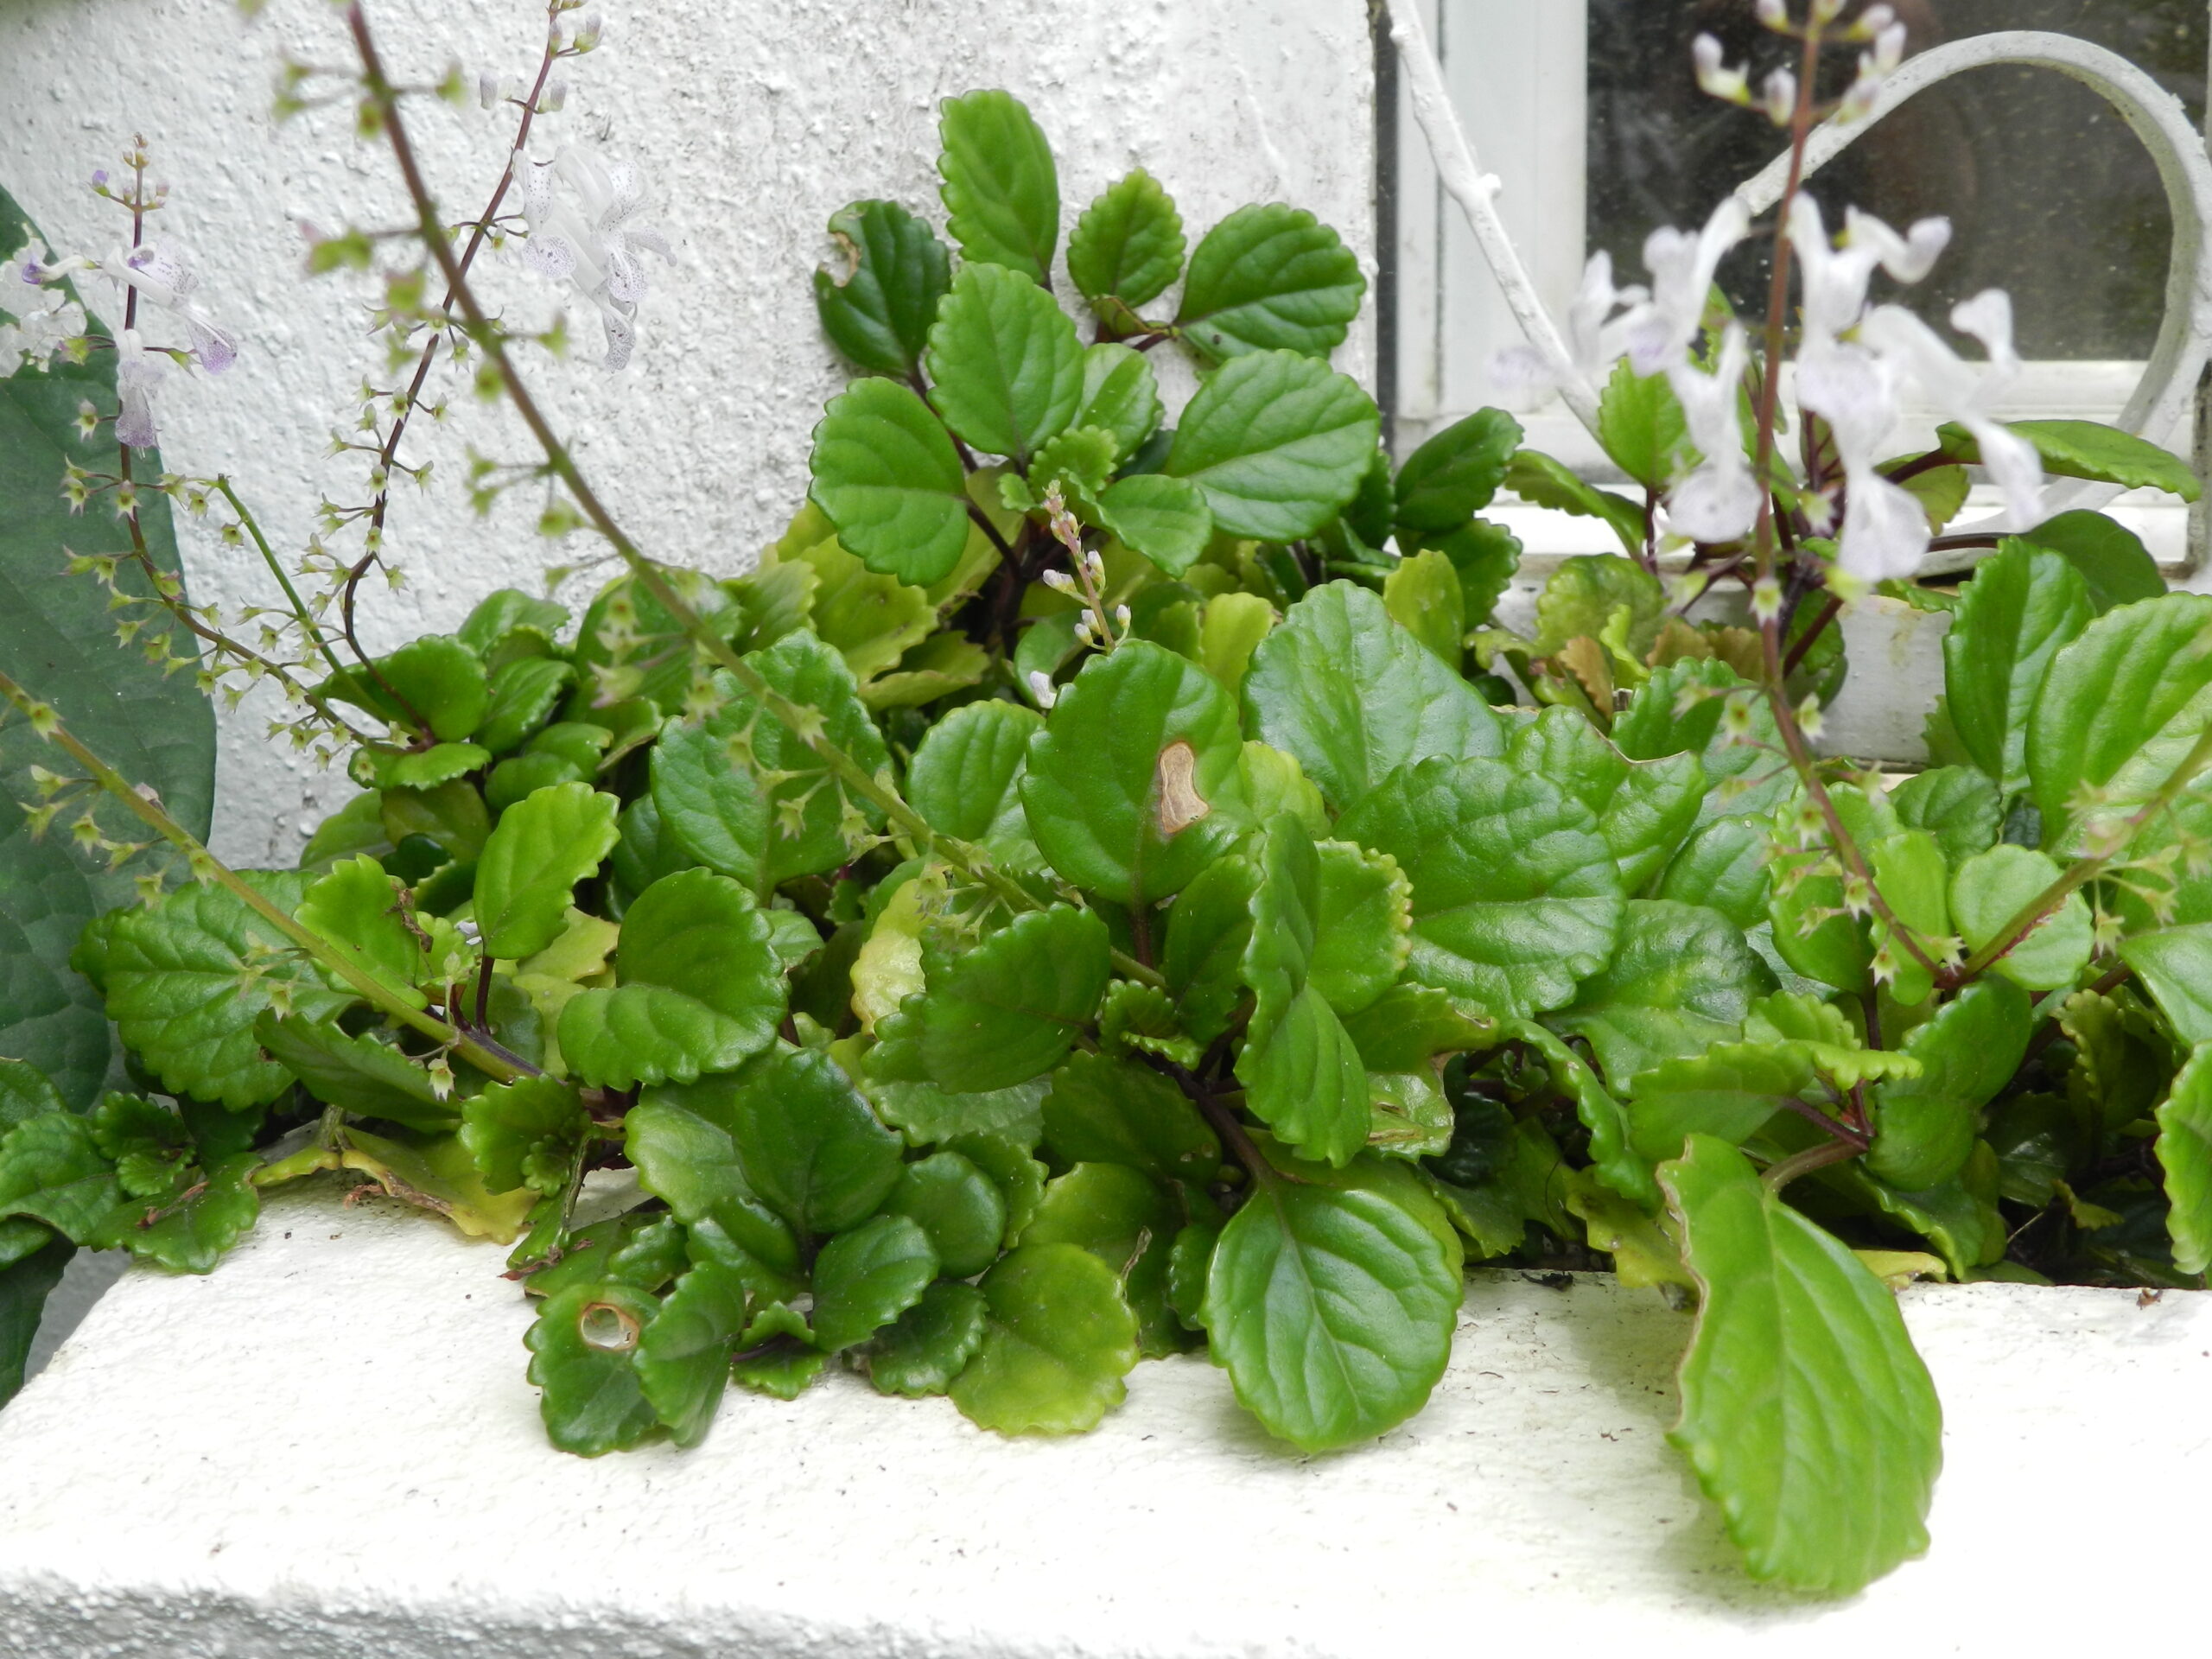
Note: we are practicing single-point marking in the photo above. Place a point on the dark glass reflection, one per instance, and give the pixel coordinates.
(2048, 195)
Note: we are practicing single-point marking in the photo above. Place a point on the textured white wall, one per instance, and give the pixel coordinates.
(754, 122)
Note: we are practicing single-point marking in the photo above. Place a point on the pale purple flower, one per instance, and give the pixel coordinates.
(163, 275)
(138, 375)
(588, 235)
(45, 319)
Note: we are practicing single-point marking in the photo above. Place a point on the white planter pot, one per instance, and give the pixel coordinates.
(328, 1448)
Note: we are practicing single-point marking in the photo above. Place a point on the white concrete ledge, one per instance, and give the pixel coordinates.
(328, 1448)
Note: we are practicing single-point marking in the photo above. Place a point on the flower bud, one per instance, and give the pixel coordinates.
(1775, 14)
(488, 90)
(1714, 77)
(556, 95)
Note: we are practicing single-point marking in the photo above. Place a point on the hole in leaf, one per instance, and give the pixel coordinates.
(603, 1326)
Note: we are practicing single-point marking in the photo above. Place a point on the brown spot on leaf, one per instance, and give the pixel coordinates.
(1177, 803)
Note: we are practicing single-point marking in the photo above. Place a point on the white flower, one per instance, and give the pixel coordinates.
(1042, 688)
(1714, 77)
(1682, 268)
(1719, 501)
(1960, 393)
(162, 273)
(586, 236)
(1836, 277)
(45, 319)
(139, 373)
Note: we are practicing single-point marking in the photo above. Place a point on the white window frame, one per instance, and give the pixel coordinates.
(1516, 72)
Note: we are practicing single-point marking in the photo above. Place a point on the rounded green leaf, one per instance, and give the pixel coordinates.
(957, 1206)
(1129, 1221)
(1808, 1418)
(2019, 610)
(1958, 805)
(2105, 455)
(1681, 982)
(879, 312)
(583, 1354)
(356, 1072)
(1727, 1093)
(1001, 191)
(708, 800)
(1332, 1306)
(1104, 1110)
(1004, 1012)
(2175, 965)
(1120, 394)
(682, 1357)
(1641, 426)
(1059, 1339)
(1516, 895)
(524, 1133)
(698, 988)
(1362, 917)
(1354, 696)
(531, 861)
(1270, 278)
(2110, 556)
(682, 1141)
(1004, 363)
(1724, 867)
(1133, 785)
(1924, 1127)
(524, 693)
(809, 1144)
(867, 1277)
(499, 613)
(930, 1344)
(965, 779)
(1423, 596)
(1645, 809)
(1278, 442)
(1991, 888)
(1166, 519)
(1129, 244)
(887, 475)
(435, 678)
(52, 1170)
(1456, 473)
(1207, 930)
(2119, 707)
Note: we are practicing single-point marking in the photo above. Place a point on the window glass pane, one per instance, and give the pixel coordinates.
(2048, 195)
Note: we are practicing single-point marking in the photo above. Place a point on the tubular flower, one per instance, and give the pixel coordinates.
(587, 235)
(1719, 501)
(163, 275)
(138, 375)
(44, 319)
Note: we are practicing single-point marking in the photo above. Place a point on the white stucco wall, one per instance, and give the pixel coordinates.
(754, 122)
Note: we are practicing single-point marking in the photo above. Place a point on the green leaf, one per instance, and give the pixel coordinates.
(2184, 1153)
(1808, 1418)
(434, 681)
(1103, 1111)
(1059, 1341)
(1132, 786)
(188, 977)
(1924, 1127)
(1485, 556)
(1354, 696)
(930, 1344)
(1005, 365)
(1001, 191)
(1726, 1094)
(1516, 896)
(1362, 917)
(808, 1145)
(357, 1073)
(869, 619)
(1409, 1025)
(1991, 888)
(1584, 595)
(1301, 1075)
(1680, 710)
(192, 1233)
(58, 637)
(51, 1171)
(1129, 244)
(1166, 519)
(524, 1132)
(1641, 425)
(2120, 706)
(867, 1277)
(1127, 1221)
(361, 911)
(26, 1092)
(1423, 596)
(1724, 867)
(2110, 556)
(1643, 809)
(965, 779)
(1278, 442)
(1542, 481)
(879, 312)
(1456, 473)
(535, 855)
(1208, 929)
(1679, 983)
(1958, 805)
(708, 800)
(2175, 965)
(420, 769)
(25, 1283)
(523, 694)
(1331, 1303)
(957, 1206)
(1614, 1158)
(681, 1139)
(1270, 278)
(777, 1357)
(682, 1360)
(926, 1114)
(1119, 396)
(698, 988)
(887, 474)
(583, 1350)
(2019, 610)
(1004, 1012)
(2089, 449)
(500, 613)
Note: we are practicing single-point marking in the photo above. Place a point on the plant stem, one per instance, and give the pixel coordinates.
(1780, 1175)
(804, 723)
(252, 527)
(493, 1064)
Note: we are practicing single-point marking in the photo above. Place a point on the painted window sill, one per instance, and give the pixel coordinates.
(328, 1448)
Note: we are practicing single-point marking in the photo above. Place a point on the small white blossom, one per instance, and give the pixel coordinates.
(162, 273)
(1719, 501)
(138, 374)
(1714, 77)
(587, 235)
(45, 319)
(1597, 333)
(1778, 97)
(1042, 688)
(1682, 268)
(1775, 14)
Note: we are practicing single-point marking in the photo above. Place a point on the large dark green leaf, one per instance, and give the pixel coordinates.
(1103, 1111)
(1005, 363)
(57, 637)
(1354, 696)
(2110, 556)
(879, 312)
(1681, 979)
(809, 1144)
(1270, 277)
(1456, 473)
(25, 1284)
(1278, 442)
(1808, 1418)
(2019, 610)
(1001, 190)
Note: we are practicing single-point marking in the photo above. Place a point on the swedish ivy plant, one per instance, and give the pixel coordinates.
(1093, 892)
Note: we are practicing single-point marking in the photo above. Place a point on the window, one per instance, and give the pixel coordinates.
(1586, 111)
